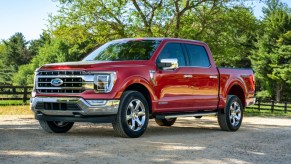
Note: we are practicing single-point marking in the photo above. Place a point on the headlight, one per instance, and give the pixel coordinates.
(103, 82)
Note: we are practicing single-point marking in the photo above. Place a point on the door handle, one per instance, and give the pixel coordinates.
(187, 76)
(213, 77)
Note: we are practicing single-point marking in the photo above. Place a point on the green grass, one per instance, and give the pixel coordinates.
(15, 110)
(266, 111)
(12, 102)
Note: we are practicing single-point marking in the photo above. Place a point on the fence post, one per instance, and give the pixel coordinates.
(25, 94)
(259, 105)
(272, 107)
(285, 107)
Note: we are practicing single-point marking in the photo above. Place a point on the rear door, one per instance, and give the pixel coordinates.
(203, 78)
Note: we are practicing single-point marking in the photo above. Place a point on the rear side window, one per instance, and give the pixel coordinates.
(197, 55)
(171, 51)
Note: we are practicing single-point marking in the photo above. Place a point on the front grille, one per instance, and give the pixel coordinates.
(57, 106)
(72, 81)
(52, 73)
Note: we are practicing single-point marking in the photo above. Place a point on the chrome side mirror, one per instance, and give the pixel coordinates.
(168, 64)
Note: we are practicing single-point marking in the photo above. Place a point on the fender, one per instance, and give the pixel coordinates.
(230, 83)
(136, 80)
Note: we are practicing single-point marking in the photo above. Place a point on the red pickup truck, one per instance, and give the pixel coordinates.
(129, 81)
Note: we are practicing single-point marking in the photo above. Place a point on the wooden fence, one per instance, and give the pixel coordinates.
(15, 92)
(271, 105)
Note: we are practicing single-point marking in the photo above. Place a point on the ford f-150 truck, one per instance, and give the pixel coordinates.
(129, 81)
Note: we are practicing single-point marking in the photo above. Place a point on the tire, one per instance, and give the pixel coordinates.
(198, 116)
(231, 118)
(165, 122)
(56, 126)
(133, 115)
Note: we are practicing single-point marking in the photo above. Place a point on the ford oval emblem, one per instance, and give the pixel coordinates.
(56, 82)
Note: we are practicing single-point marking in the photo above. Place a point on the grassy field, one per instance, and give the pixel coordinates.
(266, 110)
(12, 102)
(15, 110)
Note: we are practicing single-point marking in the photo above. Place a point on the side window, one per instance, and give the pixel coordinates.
(197, 55)
(173, 50)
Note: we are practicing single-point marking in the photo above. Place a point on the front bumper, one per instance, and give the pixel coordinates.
(58, 107)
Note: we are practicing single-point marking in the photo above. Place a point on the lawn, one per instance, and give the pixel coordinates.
(15, 110)
(12, 102)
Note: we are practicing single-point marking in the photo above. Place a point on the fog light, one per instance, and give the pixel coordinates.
(97, 102)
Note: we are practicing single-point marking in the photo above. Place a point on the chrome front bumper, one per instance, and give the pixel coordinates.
(110, 107)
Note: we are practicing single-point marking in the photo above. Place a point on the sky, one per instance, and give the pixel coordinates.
(30, 16)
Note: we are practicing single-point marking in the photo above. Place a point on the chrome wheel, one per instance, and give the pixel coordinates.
(135, 115)
(230, 118)
(235, 113)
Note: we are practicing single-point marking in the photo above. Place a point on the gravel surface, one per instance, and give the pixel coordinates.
(190, 140)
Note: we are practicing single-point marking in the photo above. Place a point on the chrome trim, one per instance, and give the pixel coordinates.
(187, 76)
(191, 115)
(213, 77)
(152, 76)
(173, 62)
(109, 108)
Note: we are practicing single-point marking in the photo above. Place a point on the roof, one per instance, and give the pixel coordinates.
(160, 39)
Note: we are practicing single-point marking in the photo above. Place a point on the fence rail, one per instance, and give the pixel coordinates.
(15, 92)
(272, 105)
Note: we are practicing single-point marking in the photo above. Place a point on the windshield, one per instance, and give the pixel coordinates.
(124, 50)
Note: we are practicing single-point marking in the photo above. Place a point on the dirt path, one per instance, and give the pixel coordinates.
(190, 140)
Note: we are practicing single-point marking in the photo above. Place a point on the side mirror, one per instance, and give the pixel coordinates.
(168, 64)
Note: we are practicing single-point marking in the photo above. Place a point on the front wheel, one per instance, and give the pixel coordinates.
(56, 126)
(133, 115)
(231, 118)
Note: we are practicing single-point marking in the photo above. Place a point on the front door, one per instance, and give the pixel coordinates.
(172, 86)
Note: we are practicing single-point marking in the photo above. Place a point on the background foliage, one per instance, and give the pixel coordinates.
(236, 37)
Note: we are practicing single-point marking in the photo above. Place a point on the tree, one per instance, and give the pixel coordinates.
(273, 52)
(16, 51)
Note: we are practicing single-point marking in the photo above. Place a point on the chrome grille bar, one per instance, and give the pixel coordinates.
(72, 81)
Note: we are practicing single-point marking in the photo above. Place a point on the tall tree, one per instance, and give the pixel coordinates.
(273, 50)
(16, 51)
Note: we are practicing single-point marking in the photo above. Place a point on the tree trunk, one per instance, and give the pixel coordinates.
(278, 91)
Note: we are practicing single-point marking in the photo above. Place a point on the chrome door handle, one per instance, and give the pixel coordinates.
(187, 76)
(213, 77)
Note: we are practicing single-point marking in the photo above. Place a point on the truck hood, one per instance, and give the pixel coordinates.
(94, 65)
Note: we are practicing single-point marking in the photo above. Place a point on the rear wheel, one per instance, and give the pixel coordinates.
(133, 115)
(56, 126)
(165, 122)
(231, 118)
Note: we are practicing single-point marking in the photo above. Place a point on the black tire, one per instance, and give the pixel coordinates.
(133, 115)
(231, 117)
(165, 122)
(198, 116)
(56, 126)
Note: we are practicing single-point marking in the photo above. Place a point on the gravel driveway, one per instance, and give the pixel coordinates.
(190, 140)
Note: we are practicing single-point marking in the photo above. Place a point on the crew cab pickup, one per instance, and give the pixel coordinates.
(129, 81)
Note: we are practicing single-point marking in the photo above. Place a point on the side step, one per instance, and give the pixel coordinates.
(175, 115)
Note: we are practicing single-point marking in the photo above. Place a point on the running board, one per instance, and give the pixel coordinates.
(175, 115)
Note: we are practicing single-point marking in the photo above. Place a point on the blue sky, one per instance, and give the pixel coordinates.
(30, 16)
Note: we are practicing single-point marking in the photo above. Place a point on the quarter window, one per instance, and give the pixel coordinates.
(173, 51)
(197, 55)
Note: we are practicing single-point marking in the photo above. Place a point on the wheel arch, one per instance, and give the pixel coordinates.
(143, 86)
(237, 90)
(143, 90)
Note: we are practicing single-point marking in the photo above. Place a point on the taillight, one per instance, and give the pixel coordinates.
(252, 80)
